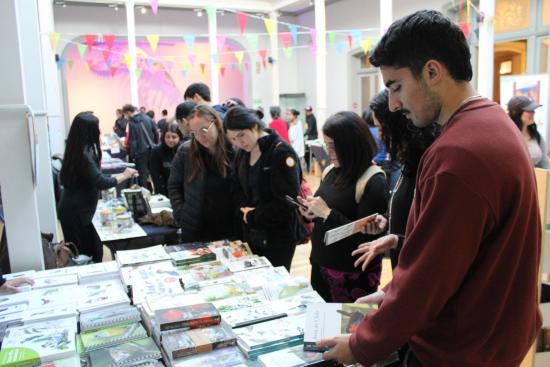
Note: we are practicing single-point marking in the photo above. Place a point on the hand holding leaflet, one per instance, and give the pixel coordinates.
(339, 233)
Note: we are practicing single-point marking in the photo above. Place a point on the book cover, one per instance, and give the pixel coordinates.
(253, 354)
(21, 274)
(187, 317)
(72, 361)
(161, 286)
(238, 303)
(9, 299)
(141, 256)
(271, 332)
(103, 270)
(227, 251)
(286, 288)
(224, 357)
(53, 297)
(111, 316)
(293, 357)
(179, 344)
(16, 308)
(326, 320)
(57, 281)
(297, 304)
(189, 253)
(225, 290)
(102, 294)
(252, 315)
(257, 278)
(48, 313)
(107, 337)
(202, 274)
(131, 273)
(248, 263)
(38, 343)
(126, 354)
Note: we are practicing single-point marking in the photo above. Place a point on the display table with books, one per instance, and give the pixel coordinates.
(201, 304)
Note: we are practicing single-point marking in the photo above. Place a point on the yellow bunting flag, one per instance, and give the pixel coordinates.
(366, 45)
(54, 39)
(153, 40)
(127, 61)
(169, 58)
(268, 26)
(239, 56)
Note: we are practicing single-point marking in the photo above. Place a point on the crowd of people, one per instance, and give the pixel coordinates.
(447, 172)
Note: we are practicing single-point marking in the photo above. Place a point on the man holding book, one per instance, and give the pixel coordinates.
(465, 290)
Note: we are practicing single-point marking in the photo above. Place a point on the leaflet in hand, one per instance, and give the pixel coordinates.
(339, 233)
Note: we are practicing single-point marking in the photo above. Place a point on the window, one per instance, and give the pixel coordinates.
(543, 60)
(512, 15)
(546, 13)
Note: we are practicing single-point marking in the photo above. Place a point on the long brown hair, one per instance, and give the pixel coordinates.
(221, 158)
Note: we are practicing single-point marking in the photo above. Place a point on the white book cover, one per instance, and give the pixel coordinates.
(204, 274)
(55, 281)
(16, 308)
(48, 313)
(101, 294)
(257, 278)
(248, 263)
(297, 304)
(38, 343)
(251, 315)
(73, 361)
(56, 272)
(21, 274)
(8, 299)
(105, 270)
(290, 357)
(135, 273)
(286, 288)
(53, 297)
(225, 290)
(271, 332)
(339, 233)
(326, 320)
(238, 303)
(142, 256)
(9, 319)
(156, 287)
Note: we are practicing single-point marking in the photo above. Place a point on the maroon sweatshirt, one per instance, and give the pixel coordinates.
(465, 290)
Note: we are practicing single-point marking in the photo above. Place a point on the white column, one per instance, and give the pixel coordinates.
(274, 44)
(547, 122)
(131, 25)
(386, 19)
(485, 49)
(21, 37)
(214, 74)
(321, 63)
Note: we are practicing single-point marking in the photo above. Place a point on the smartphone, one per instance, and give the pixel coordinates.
(293, 201)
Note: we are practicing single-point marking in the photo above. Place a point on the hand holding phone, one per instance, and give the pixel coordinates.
(295, 202)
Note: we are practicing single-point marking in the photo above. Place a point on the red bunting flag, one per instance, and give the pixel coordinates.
(263, 55)
(109, 39)
(242, 18)
(465, 28)
(113, 70)
(350, 40)
(222, 71)
(90, 39)
(286, 38)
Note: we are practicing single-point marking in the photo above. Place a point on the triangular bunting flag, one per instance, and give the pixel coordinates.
(239, 56)
(54, 39)
(184, 73)
(294, 31)
(81, 49)
(340, 47)
(109, 39)
(288, 52)
(90, 39)
(71, 63)
(286, 38)
(253, 40)
(192, 59)
(233, 67)
(189, 41)
(203, 69)
(215, 58)
(263, 55)
(221, 42)
(350, 41)
(240, 68)
(211, 11)
(366, 45)
(154, 6)
(106, 55)
(127, 61)
(60, 63)
(138, 72)
(331, 38)
(356, 37)
(465, 28)
(313, 35)
(242, 18)
(268, 26)
(150, 62)
(222, 71)
(113, 70)
(186, 66)
(153, 40)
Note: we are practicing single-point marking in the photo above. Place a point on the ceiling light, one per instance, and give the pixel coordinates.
(116, 8)
(310, 2)
(199, 13)
(64, 5)
(143, 10)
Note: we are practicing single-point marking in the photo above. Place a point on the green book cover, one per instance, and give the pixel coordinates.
(126, 354)
(110, 336)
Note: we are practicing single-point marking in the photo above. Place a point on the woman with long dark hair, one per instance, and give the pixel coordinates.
(352, 187)
(162, 156)
(200, 185)
(82, 181)
(267, 169)
(405, 144)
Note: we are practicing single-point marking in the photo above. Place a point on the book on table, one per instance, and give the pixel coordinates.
(225, 290)
(164, 285)
(297, 305)
(72, 361)
(252, 315)
(134, 273)
(187, 317)
(107, 293)
(257, 278)
(56, 281)
(132, 353)
(248, 263)
(190, 253)
(53, 297)
(48, 313)
(326, 320)
(227, 251)
(38, 343)
(286, 288)
(98, 271)
(224, 357)
(179, 344)
(204, 273)
(141, 256)
(295, 357)
(108, 317)
(107, 337)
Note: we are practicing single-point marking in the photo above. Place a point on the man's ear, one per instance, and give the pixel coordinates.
(433, 71)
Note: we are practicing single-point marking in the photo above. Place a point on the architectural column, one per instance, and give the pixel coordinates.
(321, 63)
(131, 31)
(547, 122)
(386, 19)
(213, 41)
(18, 152)
(274, 45)
(486, 51)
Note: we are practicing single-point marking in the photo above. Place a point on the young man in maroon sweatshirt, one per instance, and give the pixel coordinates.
(465, 290)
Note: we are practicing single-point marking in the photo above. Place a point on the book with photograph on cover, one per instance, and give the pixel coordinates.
(248, 263)
(227, 251)
(187, 317)
(203, 274)
(286, 288)
(190, 253)
(131, 353)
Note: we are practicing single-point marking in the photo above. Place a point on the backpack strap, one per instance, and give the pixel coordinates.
(364, 179)
(326, 171)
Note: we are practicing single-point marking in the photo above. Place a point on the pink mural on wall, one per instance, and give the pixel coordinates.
(100, 81)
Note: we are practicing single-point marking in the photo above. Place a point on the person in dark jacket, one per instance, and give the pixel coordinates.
(162, 156)
(200, 184)
(142, 137)
(162, 122)
(311, 123)
(350, 147)
(120, 124)
(183, 110)
(200, 94)
(82, 181)
(267, 169)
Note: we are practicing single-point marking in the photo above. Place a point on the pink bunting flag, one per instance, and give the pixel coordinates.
(106, 55)
(465, 28)
(313, 34)
(90, 39)
(113, 70)
(286, 38)
(221, 42)
(192, 59)
(350, 40)
(154, 6)
(242, 18)
(263, 55)
(222, 71)
(109, 39)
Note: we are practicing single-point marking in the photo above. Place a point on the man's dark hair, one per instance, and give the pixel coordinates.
(128, 108)
(184, 109)
(164, 112)
(424, 35)
(275, 112)
(197, 88)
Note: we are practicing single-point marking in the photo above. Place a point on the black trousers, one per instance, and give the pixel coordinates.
(279, 254)
(142, 166)
(85, 238)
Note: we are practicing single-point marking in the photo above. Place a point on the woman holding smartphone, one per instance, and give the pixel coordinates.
(266, 169)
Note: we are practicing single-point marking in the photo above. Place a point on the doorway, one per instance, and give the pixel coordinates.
(510, 59)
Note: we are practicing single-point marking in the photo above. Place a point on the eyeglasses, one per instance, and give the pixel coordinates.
(202, 131)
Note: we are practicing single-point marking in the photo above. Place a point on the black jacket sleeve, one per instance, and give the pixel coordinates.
(94, 176)
(176, 184)
(2, 280)
(156, 169)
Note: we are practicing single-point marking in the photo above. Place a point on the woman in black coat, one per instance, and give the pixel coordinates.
(267, 169)
(200, 184)
(82, 181)
(162, 156)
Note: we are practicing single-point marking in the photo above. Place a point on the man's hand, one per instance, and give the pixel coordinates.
(339, 349)
(10, 286)
(374, 298)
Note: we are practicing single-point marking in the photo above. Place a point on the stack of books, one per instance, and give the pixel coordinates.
(98, 272)
(142, 352)
(105, 294)
(141, 256)
(190, 253)
(203, 274)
